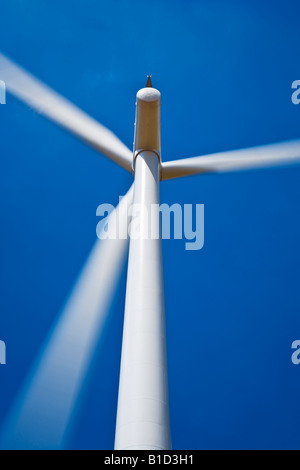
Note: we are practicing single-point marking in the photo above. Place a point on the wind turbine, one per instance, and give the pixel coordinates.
(143, 409)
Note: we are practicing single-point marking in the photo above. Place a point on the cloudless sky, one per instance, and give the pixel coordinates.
(225, 69)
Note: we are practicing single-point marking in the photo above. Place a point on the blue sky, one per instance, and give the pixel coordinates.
(225, 70)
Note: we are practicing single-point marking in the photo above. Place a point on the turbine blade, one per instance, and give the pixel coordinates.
(285, 153)
(42, 415)
(44, 100)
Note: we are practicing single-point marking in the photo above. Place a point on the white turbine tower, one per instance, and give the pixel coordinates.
(143, 410)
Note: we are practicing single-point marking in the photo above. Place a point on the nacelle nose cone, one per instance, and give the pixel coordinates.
(148, 95)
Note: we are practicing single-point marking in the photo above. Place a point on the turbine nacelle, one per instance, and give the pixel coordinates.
(147, 136)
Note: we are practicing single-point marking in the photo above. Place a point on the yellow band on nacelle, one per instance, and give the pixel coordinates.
(147, 122)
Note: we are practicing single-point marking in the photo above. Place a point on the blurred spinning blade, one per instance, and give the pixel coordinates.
(285, 153)
(42, 415)
(44, 100)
